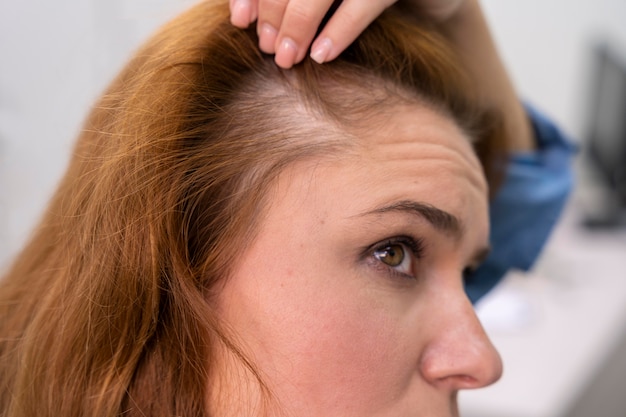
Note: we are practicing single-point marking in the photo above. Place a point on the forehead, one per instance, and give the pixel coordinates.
(410, 153)
(423, 138)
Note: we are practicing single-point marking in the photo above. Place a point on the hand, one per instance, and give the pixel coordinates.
(287, 27)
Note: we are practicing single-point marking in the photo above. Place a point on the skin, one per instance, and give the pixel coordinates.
(339, 312)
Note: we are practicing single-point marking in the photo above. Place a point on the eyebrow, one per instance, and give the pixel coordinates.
(439, 219)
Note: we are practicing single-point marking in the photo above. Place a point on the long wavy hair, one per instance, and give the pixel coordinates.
(107, 310)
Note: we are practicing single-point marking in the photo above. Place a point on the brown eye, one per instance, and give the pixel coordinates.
(397, 256)
(391, 255)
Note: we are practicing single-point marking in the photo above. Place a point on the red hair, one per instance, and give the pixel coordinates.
(107, 310)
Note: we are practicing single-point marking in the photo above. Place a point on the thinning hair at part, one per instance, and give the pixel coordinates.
(108, 308)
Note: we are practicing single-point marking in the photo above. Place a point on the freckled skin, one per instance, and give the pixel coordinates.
(332, 331)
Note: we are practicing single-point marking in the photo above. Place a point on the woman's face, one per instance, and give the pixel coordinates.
(350, 300)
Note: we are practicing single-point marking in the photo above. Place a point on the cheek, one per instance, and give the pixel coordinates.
(345, 345)
(330, 347)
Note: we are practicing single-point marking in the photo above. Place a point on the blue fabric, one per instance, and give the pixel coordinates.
(527, 207)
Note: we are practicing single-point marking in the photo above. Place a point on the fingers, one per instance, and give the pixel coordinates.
(287, 27)
(350, 19)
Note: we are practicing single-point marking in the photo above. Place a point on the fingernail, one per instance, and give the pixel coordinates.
(286, 54)
(320, 51)
(267, 38)
(240, 13)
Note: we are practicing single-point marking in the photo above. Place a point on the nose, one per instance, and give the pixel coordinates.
(459, 355)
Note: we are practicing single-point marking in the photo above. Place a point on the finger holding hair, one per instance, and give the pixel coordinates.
(287, 27)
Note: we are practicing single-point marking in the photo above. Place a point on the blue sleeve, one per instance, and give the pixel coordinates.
(527, 206)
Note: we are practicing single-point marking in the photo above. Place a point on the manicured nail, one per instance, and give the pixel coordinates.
(267, 38)
(319, 53)
(240, 13)
(286, 54)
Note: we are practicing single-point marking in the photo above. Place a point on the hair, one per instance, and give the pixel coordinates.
(106, 311)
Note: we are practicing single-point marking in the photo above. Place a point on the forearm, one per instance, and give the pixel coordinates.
(469, 33)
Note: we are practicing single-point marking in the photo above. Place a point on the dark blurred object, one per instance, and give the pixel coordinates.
(605, 141)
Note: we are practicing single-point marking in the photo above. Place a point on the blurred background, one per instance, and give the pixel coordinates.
(561, 329)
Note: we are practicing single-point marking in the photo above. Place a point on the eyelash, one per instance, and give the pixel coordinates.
(415, 249)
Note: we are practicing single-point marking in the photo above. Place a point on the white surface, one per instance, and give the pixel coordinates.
(555, 326)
